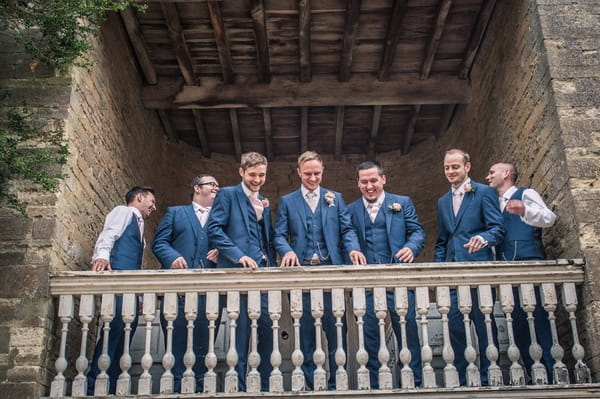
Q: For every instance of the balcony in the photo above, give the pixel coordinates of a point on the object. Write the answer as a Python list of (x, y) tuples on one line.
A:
[(84, 297)]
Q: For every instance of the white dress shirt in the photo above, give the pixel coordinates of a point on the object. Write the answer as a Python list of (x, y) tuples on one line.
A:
[(115, 224), (536, 213)]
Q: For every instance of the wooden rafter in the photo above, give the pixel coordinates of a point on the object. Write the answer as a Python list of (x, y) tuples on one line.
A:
[(235, 132), (303, 129), (201, 132), (321, 91), (167, 125), (391, 38), (139, 44), (476, 36), (339, 132), (216, 18), (177, 37), (440, 22), (268, 132), (350, 29), (304, 39), (263, 60), (374, 130), (410, 130)]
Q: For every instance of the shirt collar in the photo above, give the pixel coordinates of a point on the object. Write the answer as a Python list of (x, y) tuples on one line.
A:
[(136, 212), (304, 191), (461, 188), (248, 192), (198, 207), (378, 201), (509, 193)]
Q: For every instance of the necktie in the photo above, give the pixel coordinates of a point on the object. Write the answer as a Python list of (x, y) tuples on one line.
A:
[(202, 214), (373, 208), (456, 201), (503, 202), (257, 205), (140, 222), (311, 199)]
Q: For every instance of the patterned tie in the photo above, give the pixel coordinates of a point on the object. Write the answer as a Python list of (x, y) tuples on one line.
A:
[(140, 222), (311, 199), (257, 205), (457, 197), (202, 214), (373, 208)]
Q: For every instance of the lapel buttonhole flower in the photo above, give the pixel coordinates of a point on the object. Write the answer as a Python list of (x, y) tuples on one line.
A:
[(265, 203), (395, 207), (469, 188), (330, 198)]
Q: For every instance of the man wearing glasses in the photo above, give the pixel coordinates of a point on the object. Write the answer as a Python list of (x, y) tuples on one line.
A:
[(181, 242)]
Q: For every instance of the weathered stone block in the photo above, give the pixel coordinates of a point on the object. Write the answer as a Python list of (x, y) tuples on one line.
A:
[(11, 258), (43, 228), (24, 390), (22, 282), (4, 339), (14, 228)]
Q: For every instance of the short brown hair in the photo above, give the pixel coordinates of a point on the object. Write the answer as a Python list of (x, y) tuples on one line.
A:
[(466, 157), (250, 159), (309, 156)]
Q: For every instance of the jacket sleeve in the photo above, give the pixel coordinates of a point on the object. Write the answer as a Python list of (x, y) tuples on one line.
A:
[(494, 223), (414, 229), (282, 245), (161, 246), (218, 222), (441, 245)]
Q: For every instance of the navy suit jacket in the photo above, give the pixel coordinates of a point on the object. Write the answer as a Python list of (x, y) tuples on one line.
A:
[(403, 227), (229, 227), (479, 214), (179, 234), (291, 226)]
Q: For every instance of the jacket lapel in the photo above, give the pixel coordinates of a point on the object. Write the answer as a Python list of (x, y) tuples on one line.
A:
[(193, 219), (243, 205), (467, 198)]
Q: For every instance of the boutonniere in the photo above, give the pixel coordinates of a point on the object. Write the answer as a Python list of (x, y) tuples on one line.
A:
[(330, 198), (265, 202), (469, 188), (395, 207)]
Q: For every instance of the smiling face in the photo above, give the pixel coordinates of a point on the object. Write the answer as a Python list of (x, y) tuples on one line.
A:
[(456, 169), (206, 191), (145, 203), (311, 173), (496, 176), (370, 183), (254, 177)]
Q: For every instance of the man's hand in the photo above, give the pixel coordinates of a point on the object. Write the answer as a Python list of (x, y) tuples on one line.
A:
[(357, 258), (100, 264), (247, 262), (405, 255), (516, 207), (179, 263), (475, 244), (289, 260), (213, 255)]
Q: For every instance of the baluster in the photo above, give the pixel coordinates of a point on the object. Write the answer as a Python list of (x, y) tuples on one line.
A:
[(107, 313), (362, 357), (407, 376), (422, 297), (212, 314), (316, 306), (298, 380), (58, 387), (86, 314), (339, 308), (149, 313), (188, 380), (507, 300), (581, 371), (253, 380), (444, 303), (550, 303), (465, 305), (128, 312), (528, 302), (233, 311), (276, 378), (168, 361), (486, 305), (380, 305)]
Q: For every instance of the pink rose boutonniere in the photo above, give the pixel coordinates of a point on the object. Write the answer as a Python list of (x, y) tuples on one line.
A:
[(469, 188), (265, 203), (330, 198), (395, 207)]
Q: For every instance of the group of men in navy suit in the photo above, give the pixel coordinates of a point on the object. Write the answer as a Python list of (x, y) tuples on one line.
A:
[(232, 228)]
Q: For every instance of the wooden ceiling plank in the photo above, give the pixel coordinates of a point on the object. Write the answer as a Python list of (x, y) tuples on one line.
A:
[(339, 132), (167, 125), (391, 38), (483, 20), (374, 130), (175, 32), (447, 114), (216, 18), (132, 26), (235, 131), (201, 132), (440, 22), (263, 59), (350, 30), (321, 91), (304, 39), (410, 130), (268, 132), (303, 129)]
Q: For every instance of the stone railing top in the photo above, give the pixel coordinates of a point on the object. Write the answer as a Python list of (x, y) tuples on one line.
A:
[(407, 275)]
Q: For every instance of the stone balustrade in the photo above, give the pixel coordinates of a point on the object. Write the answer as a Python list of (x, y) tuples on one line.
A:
[(83, 297)]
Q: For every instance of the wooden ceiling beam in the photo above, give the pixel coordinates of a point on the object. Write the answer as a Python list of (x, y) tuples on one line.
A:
[(235, 132), (216, 19), (485, 15), (350, 30), (303, 129), (375, 120), (321, 91), (132, 26), (167, 125), (268, 132), (304, 39), (410, 130), (339, 132), (391, 38), (201, 132), (440, 22), (175, 32), (263, 59)]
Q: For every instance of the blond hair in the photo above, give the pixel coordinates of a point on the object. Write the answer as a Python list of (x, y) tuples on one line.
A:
[(309, 156)]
